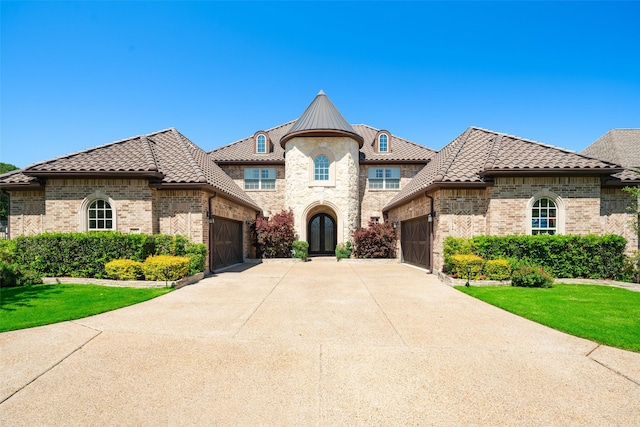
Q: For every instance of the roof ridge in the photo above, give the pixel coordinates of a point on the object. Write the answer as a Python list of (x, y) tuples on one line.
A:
[(451, 157), (250, 136), (395, 136), (493, 152), (190, 158), (149, 154)]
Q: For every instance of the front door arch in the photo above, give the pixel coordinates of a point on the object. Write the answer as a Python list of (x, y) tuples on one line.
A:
[(322, 234)]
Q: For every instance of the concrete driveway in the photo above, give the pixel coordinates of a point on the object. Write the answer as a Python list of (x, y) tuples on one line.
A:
[(317, 343)]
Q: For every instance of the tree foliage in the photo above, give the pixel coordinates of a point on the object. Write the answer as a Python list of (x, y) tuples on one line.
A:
[(275, 235), (378, 240), (4, 200)]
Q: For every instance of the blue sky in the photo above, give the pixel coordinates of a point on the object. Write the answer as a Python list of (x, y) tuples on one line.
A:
[(75, 75)]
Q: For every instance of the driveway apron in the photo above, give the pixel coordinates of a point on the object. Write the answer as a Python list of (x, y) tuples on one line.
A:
[(317, 343)]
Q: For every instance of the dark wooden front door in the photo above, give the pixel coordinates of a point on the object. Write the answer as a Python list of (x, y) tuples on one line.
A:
[(225, 243), (322, 234), (416, 247)]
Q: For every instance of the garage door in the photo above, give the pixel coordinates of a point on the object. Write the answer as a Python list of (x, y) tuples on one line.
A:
[(225, 242), (415, 242)]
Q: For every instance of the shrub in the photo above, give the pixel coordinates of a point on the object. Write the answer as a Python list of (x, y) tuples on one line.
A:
[(459, 264), (12, 274), (300, 249), (378, 240), (197, 253), (632, 267), (176, 267), (497, 269), (591, 256), (124, 269), (455, 246), (275, 235), (531, 277), (343, 250)]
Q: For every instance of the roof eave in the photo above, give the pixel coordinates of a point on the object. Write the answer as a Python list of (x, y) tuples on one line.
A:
[(94, 174), (436, 186), (550, 171), (322, 132), (19, 187)]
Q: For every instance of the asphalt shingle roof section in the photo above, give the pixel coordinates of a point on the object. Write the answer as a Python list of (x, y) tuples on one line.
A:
[(476, 155), (620, 146), (165, 157), (243, 151), (321, 117)]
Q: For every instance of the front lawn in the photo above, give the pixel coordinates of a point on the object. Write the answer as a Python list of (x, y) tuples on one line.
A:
[(603, 314), (28, 306)]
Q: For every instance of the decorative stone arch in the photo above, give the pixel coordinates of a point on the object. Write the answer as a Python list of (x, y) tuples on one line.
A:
[(560, 206), (83, 219), (331, 182), (321, 206)]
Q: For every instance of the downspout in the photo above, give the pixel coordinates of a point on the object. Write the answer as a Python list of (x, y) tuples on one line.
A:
[(433, 217), (210, 218)]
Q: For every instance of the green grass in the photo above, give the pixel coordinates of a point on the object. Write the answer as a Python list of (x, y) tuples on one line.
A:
[(29, 306), (603, 314)]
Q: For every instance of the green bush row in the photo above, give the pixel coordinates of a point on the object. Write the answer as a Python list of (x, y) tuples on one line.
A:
[(591, 256), (85, 254)]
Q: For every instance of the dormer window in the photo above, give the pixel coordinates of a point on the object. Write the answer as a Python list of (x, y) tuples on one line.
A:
[(383, 143), (261, 144)]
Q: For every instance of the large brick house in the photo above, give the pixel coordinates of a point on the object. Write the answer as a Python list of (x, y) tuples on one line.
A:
[(335, 177)]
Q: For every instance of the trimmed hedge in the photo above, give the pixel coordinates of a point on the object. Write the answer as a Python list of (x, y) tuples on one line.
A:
[(176, 267), (124, 269), (497, 269), (85, 254), (459, 264), (591, 256)]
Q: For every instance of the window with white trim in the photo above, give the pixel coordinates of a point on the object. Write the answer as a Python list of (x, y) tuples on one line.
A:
[(383, 143), (544, 217), (100, 216), (321, 168), (261, 144), (260, 179), (384, 178)]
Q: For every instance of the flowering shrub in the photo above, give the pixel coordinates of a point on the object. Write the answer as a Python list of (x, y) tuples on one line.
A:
[(275, 235), (531, 277), (378, 240)]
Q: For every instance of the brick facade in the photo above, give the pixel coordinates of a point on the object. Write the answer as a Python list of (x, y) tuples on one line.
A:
[(271, 201), (372, 201), (502, 209)]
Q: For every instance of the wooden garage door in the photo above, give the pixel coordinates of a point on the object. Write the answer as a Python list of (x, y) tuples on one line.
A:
[(225, 243), (415, 242)]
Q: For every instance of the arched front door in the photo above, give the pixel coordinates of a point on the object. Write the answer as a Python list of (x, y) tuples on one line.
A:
[(322, 234)]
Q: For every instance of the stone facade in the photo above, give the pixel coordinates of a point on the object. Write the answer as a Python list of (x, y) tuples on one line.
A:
[(337, 196)]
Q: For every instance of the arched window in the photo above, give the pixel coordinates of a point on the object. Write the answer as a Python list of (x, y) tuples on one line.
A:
[(383, 143), (321, 168), (544, 217), (100, 216), (261, 144)]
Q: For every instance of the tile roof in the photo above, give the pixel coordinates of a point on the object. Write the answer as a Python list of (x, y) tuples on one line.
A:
[(16, 179), (165, 157), (243, 151), (321, 117), (620, 146), (476, 155)]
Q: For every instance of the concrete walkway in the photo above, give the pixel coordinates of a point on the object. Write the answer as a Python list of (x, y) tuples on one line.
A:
[(318, 343)]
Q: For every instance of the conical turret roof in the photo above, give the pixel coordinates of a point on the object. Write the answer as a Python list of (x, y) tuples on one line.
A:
[(321, 118)]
